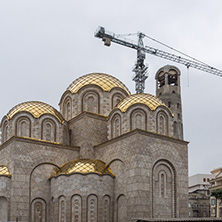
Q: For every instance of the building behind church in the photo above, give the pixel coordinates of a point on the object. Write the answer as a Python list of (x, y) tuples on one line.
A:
[(107, 155)]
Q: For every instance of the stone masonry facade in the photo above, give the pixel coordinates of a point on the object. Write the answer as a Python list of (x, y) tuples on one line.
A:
[(106, 156)]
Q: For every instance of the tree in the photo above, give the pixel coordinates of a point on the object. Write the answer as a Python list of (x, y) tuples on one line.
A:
[(217, 193)]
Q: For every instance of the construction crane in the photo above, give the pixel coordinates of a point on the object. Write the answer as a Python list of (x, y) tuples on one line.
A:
[(140, 68)]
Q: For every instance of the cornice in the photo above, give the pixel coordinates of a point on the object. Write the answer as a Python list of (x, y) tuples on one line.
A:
[(38, 142), (141, 132)]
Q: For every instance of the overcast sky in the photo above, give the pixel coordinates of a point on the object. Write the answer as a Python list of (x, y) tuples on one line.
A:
[(45, 45)]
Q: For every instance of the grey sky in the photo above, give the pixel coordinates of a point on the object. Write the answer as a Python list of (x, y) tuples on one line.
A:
[(45, 45)]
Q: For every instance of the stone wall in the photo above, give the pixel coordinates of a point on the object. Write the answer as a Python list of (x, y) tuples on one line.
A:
[(142, 153), (25, 156), (80, 198), (88, 130)]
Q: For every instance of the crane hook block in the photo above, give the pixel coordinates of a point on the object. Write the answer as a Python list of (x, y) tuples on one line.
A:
[(107, 41)]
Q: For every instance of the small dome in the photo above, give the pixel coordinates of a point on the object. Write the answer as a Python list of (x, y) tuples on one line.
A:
[(147, 99), (35, 108), (105, 81), (4, 170), (85, 166)]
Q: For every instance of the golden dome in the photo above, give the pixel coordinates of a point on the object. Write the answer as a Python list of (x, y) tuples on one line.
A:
[(4, 170), (105, 81), (150, 100), (84, 166), (35, 108)]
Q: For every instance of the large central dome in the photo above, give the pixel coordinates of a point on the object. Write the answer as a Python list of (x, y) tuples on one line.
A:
[(105, 81)]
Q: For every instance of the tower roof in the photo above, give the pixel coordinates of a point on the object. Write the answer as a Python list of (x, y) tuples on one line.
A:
[(85, 166), (105, 81), (35, 108), (143, 98)]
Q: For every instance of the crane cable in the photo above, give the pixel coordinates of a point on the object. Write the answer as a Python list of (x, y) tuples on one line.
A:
[(175, 50)]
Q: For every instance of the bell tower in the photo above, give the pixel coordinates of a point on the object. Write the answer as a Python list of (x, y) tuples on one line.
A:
[(168, 90)]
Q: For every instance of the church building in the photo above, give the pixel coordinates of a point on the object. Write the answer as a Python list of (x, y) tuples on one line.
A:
[(105, 156)]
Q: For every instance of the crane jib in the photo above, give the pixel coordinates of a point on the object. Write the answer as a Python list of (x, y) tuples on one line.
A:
[(109, 37)]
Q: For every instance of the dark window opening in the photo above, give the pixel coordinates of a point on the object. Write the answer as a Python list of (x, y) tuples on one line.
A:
[(172, 78), (161, 80)]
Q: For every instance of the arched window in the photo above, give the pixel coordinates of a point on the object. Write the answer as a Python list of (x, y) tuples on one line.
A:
[(38, 212), (62, 209), (175, 129), (116, 98), (4, 209), (138, 120), (106, 208), (5, 132), (162, 123), (121, 209), (49, 130), (90, 102), (76, 208), (116, 126), (162, 184), (92, 208), (23, 127), (67, 108), (163, 190)]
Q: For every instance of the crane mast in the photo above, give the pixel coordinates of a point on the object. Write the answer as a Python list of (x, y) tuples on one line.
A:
[(140, 68)]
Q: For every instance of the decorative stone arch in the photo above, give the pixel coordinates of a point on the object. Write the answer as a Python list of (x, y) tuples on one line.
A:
[(116, 125), (162, 123), (91, 101), (48, 130), (67, 108), (76, 208), (30, 185), (4, 208), (39, 210), (138, 119), (114, 160), (92, 208), (121, 205), (23, 126), (164, 206)]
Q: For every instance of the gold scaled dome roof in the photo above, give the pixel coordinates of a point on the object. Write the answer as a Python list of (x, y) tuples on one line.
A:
[(150, 100), (105, 81), (85, 166), (35, 108), (4, 170)]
